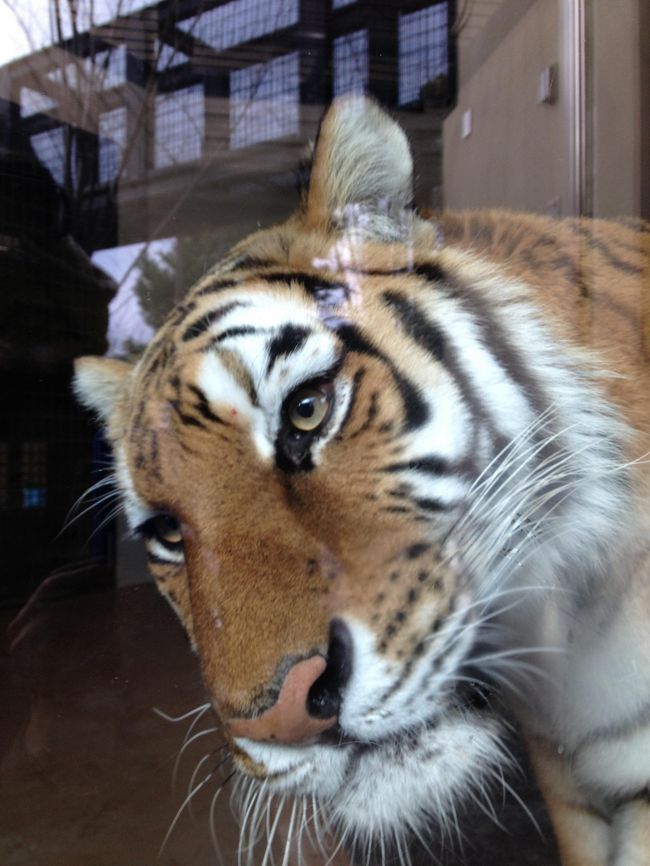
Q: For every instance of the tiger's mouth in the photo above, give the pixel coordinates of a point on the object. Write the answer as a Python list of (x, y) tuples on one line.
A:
[(274, 762), (384, 788)]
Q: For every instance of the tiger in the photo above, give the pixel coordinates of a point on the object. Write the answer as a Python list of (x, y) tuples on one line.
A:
[(390, 471)]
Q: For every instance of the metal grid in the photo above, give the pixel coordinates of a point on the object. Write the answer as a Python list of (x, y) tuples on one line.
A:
[(265, 101), (179, 126), (350, 63), (167, 56), (422, 50), (112, 141), (240, 21)]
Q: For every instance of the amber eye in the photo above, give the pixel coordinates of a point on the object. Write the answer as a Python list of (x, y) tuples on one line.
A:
[(308, 408), (166, 529)]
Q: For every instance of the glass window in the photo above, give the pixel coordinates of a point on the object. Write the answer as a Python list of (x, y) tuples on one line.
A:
[(50, 148), (33, 102), (112, 142), (351, 63), (110, 66), (423, 37), (352, 462), (167, 56), (240, 21), (179, 126), (264, 101)]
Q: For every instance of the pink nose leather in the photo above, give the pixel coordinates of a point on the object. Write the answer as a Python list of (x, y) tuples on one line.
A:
[(287, 721)]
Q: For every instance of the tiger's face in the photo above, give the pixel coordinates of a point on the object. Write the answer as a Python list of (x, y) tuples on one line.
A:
[(299, 484), (296, 491)]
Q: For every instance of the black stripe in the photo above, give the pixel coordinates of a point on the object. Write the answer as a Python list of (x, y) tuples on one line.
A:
[(431, 465), (238, 331), (431, 272), (188, 420), (181, 311), (248, 263), (217, 286), (417, 326), (575, 276), (379, 272), (448, 355), (251, 390), (318, 287), (200, 326), (495, 340), (373, 411), (204, 407), (429, 504), (289, 340), (416, 410), (603, 248)]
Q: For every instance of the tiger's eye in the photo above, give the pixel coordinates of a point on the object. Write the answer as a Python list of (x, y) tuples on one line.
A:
[(308, 409), (167, 529)]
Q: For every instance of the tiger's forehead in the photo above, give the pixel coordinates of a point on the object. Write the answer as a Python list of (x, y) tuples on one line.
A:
[(232, 359)]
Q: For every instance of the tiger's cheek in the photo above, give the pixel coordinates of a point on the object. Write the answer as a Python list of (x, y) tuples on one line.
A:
[(390, 578)]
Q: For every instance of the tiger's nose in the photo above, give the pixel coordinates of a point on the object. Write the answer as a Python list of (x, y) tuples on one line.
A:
[(309, 699)]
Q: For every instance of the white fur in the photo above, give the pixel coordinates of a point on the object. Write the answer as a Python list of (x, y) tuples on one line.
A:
[(223, 391), (313, 359), (137, 512), (388, 788), (616, 765)]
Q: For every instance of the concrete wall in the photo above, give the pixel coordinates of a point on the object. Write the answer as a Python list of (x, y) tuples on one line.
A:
[(513, 154), (616, 124), (521, 154)]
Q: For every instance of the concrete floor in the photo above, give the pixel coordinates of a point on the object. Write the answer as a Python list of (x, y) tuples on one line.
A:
[(86, 765)]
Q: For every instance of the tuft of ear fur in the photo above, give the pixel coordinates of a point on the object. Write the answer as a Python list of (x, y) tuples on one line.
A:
[(99, 384), (362, 162)]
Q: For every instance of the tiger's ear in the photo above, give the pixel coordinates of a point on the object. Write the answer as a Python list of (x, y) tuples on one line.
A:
[(100, 383), (362, 161)]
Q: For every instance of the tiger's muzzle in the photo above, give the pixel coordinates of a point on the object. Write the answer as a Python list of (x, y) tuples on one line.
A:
[(309, 699)]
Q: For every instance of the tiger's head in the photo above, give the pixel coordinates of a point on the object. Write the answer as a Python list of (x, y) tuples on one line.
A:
[(299, 447)]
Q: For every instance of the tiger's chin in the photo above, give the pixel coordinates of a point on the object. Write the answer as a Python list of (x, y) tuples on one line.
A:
[(383, 791)]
